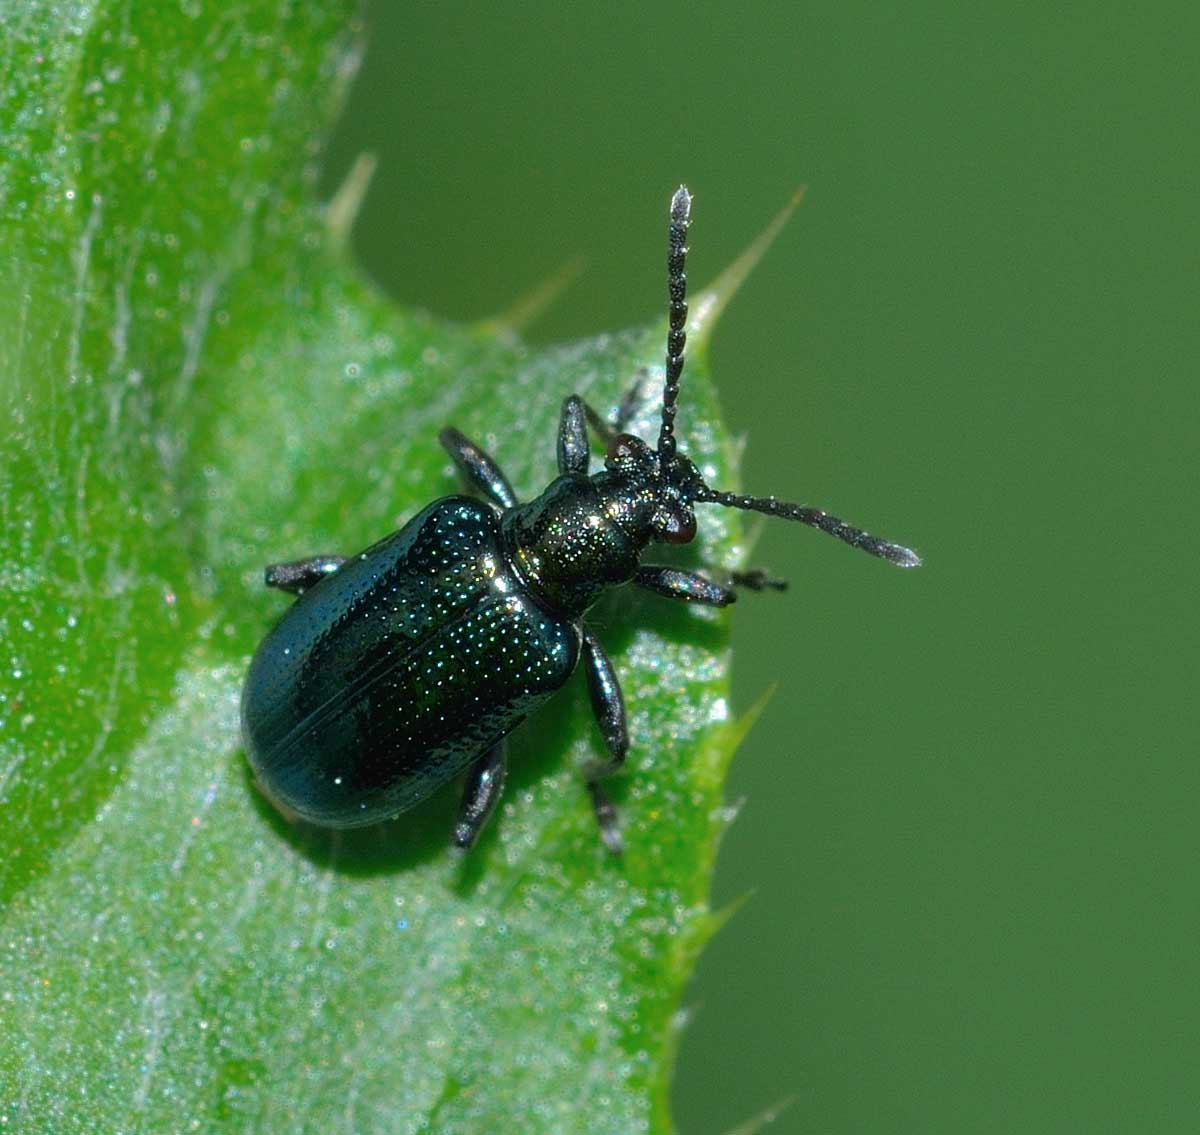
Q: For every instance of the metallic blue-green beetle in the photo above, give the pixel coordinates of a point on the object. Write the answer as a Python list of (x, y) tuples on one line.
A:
[(410, 663)]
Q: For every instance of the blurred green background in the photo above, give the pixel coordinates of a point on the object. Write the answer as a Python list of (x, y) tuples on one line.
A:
[(970, 808)]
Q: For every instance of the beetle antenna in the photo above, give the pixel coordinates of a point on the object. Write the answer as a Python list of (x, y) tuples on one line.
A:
[(681, 212), (814, 518)]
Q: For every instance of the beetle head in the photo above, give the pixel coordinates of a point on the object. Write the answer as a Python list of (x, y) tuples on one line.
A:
[(662, 487)]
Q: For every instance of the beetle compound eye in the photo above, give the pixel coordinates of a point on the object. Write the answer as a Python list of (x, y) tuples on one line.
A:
[(676, 525), (628, 454), (623, 448)]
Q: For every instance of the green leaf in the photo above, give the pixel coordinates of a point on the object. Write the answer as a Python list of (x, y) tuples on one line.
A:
[(198, 382)]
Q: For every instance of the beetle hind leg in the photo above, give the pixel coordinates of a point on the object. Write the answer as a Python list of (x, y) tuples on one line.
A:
[(485, 782), (609, 708), (299, 575)]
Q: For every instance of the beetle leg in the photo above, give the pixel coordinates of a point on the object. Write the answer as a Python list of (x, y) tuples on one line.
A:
[(675, 583), (757, 580), (630, 404), (603, 430), (299, 575), (485, 781), (572, 437), (609, 708), (606, 817), (635, 396), (478, 466)]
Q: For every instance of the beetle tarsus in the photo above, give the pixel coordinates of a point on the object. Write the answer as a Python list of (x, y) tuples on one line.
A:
[(757, 580)]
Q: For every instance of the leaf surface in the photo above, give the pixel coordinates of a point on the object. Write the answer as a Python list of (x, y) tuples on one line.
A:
[(198, 382)]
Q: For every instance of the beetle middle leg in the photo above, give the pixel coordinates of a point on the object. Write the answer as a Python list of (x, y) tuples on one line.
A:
[(609, 708), (485, 782), (299, 575), (479, 467)]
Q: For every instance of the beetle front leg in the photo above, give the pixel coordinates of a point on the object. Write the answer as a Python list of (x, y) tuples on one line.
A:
[(609, 708), (601, 428), (299, 575), (606, 431), (675, 583), (573, 455), (485, 782), (479, 467)]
